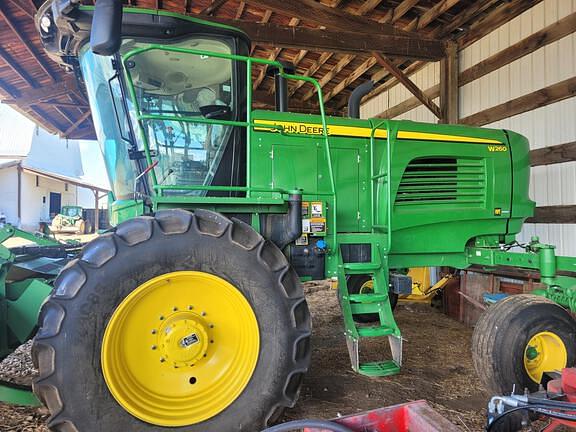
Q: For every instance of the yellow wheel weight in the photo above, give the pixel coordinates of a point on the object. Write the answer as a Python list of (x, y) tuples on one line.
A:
[(544, 352), (367, 287), (180, 348)]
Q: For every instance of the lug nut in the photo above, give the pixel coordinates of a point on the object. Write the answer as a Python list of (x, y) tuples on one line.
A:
[(153, 347), (154, 331), (203, 313), (162, 359)]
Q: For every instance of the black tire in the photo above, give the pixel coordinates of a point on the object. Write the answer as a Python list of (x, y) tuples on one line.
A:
[(355, 283), (503, 332), (67, 347)]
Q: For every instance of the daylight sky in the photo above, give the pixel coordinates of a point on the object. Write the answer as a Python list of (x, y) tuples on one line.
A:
[(15, 138)]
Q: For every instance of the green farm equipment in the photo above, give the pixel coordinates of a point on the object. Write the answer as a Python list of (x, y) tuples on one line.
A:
[(71, 220), (189, 313), (26, 272)]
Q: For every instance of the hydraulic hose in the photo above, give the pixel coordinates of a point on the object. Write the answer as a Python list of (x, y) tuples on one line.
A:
[(300, 424)]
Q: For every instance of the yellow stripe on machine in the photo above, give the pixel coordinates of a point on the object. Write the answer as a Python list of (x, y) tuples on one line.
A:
[(362, 132), (316, 129)]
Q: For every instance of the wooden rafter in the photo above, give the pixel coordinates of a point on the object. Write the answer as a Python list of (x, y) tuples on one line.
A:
[(5, 15), (400, 10), (273, 56), (409, 84), (435, 11), (41, 94), (357, 73), (316, 39), (342, 63), (50, 103), (440, 32), (214, 6), (77, 123), (324, 57), (368, 6), (240, 10), (24, 10), (319, 14), (18, 70)]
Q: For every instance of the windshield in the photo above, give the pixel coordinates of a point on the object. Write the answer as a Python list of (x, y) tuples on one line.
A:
[(177, 85), (104, 95), (170, 84)]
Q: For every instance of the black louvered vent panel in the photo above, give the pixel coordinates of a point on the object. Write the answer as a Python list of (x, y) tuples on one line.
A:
[(443, 180)]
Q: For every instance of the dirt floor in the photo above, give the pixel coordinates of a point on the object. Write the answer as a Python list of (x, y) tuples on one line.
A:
[(437, 368)]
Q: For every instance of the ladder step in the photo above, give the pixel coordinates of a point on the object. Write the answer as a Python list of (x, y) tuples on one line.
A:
[(375, 369), (375, 331), (368, 298), (365, 308), (361, 268)]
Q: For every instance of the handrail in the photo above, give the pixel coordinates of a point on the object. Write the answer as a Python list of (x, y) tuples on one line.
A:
[(387, 174), (248, 123)]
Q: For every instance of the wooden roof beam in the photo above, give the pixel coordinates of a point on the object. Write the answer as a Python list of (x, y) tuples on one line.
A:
[(17, 69), (400, 10), (324, 57), (368, 6), (409, 84), (339, 41), (213, 8), (342, 63), (77, 123), (33, 96), (313, 12), (5, 15), (240, 11), (273, 56)]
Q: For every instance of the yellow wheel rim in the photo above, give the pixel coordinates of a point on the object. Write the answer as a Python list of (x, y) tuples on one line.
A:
[(180, 348), (367, 287), (544, 352)]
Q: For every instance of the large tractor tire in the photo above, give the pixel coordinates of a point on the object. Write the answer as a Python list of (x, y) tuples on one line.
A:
[(520, 338), (363, 284), (178, 322)]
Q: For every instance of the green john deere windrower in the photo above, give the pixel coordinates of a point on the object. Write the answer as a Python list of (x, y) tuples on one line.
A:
[(189, 314)]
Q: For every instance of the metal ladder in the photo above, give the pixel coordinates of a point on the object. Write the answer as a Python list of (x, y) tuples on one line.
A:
[(376, 302)]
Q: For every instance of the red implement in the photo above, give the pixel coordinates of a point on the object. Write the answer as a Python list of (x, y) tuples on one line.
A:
[(566, 385), (415, 416)]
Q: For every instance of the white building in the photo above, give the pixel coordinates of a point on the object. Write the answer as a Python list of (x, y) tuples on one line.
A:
[(39, 174)]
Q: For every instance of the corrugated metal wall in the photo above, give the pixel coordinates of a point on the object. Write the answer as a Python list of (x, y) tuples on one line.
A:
[(547, 126)]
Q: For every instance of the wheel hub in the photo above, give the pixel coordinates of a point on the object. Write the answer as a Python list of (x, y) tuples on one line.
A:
[(544, 352), (182, 339), (180, 348)]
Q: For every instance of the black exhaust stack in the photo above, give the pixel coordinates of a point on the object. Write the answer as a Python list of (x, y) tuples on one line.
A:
[(356, 96), (281, 85)]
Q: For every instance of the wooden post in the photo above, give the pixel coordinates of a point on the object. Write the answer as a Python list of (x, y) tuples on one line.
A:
[(97, 212), (449, 97)]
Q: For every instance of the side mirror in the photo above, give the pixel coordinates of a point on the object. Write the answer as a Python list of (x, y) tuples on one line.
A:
[(216, 112), (106, 33)]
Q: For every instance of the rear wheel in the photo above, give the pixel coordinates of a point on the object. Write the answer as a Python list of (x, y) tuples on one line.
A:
[(183, 321), (519, 339), (363, 284)]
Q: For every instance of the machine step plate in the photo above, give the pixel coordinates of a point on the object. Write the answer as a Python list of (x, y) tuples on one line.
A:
[(375, 331), (379, 369), (368, 298)]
